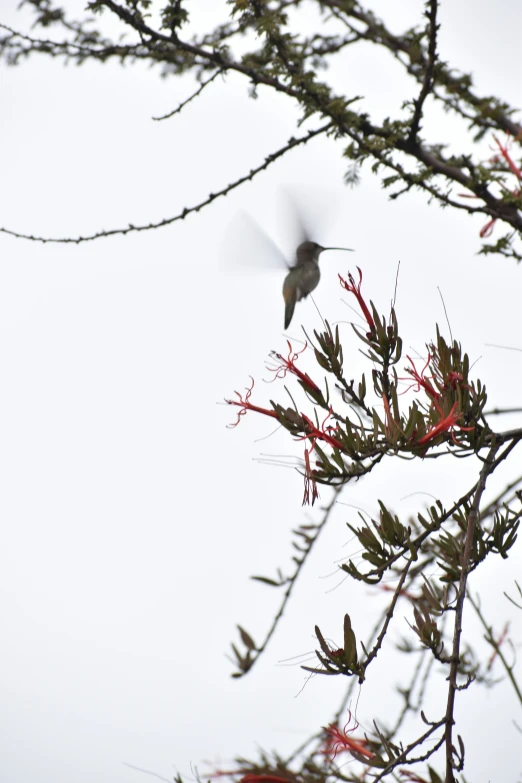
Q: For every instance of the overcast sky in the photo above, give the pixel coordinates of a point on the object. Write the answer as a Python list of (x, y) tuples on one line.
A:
[(132, 517)]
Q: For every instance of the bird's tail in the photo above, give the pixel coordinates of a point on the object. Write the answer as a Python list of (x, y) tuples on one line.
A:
[(289, 310)]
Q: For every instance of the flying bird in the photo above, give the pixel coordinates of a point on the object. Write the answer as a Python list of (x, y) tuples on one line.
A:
[(254, 248), (304, 276)]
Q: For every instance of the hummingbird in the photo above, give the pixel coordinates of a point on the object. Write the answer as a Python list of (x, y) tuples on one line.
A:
[(304, 276)]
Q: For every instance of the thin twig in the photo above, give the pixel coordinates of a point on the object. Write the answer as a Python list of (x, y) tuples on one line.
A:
[(147, 772), (191, 98), (402, 758), (292, 581), (496, 646), (293, 142), (494, 504), (389, 616)]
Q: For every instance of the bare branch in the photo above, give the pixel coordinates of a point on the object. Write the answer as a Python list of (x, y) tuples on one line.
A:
[(293, 142), (188, 100), (280, 65), (389, 616)]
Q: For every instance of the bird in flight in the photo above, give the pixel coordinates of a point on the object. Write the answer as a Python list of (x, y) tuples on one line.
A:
[(304, 276), (258, 250)]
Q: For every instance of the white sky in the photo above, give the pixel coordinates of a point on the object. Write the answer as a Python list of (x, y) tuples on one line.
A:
[(132, 517)]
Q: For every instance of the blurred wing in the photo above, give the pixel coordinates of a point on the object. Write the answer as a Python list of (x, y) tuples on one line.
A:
[(309, 214), (247, 248), (297, 226)]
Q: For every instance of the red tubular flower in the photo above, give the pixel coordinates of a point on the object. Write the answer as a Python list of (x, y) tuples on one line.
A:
[(311, 493), (507, 157), (445, 424), (324, 433), (455, 379), (501, 640), (421, 381), (487, 229), (315, 434), (245, 405), (389, 421), (339, 742), (305, 424), (288, 365), (355, 288), (403, 592)]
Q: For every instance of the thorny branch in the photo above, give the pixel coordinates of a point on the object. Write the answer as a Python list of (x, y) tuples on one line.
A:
[(293, 142), (388, 618), (194, 95), (286, 62)]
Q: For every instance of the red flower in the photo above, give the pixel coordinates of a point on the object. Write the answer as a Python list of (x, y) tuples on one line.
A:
[(245, 405), (421, 382), (288, 365), (355, 288), (306, 425), (487, 229), (507, 157), (324, 433), (389, 422), (501, 640), (314, 434), (403, 592), (445, 424), (456, 378), (311, 493), (338, 741)]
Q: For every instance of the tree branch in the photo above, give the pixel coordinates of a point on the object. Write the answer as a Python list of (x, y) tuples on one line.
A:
[(191, 98), (429, 71), (473, 516), (188, 210)]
